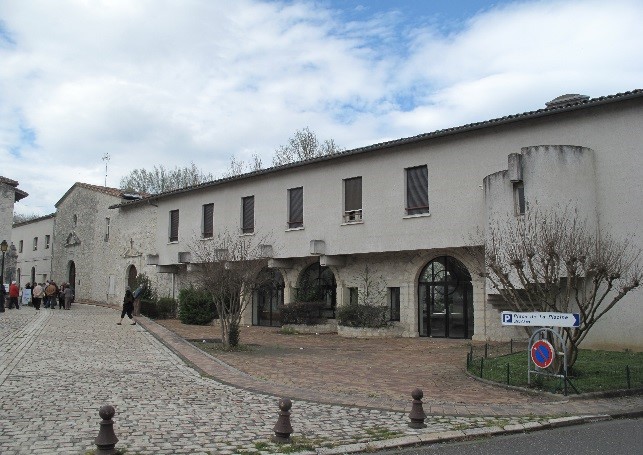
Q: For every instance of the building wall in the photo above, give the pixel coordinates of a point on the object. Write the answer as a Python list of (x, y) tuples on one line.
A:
[(28, 258)]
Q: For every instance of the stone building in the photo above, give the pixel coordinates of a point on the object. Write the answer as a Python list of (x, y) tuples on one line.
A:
[(9, 195), (409, 209)]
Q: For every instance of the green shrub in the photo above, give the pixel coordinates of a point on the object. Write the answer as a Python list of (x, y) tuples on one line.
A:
[(308, 313), (149, 309), (164, 308), (358, 315), (196, 306)]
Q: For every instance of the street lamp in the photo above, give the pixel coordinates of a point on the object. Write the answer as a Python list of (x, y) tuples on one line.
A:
[(3, 247)]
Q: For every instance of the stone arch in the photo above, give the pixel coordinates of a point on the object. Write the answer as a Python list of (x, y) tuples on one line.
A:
[(317, 283), (445, 299)]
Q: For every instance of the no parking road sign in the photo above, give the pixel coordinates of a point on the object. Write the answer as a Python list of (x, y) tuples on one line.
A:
[(542, 353)]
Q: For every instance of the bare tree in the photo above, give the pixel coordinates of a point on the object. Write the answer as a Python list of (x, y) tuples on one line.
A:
[(160, 179), (23, 217), (302, 146), (551, 261), (229, 266), (238, 167)]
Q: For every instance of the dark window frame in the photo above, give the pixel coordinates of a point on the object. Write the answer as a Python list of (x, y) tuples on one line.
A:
[(207, 221), (394, 303), (248, 215), (296, 207), (417, 190), (519, 199), (353, 200), (174, 226)]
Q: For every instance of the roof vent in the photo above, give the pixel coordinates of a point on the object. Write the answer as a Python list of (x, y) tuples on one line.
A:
[(566, 100)]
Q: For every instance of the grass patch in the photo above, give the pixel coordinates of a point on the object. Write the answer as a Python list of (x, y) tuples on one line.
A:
[(288, 331), (381, 433), (594, 371)]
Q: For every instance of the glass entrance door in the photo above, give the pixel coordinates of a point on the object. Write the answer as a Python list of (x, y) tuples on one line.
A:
[(445, 305)]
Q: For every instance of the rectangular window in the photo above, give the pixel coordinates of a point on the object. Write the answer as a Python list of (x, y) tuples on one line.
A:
[(174, 225), (35, 243), (394, 303), (353, 296), (20, 245), (248, 214), (353, 200), (519, 198), (417, 190), (295, 207), (207, 224), (106, 229), (47, 240)]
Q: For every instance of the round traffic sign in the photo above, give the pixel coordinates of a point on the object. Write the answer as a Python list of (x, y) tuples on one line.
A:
[(542, 353)]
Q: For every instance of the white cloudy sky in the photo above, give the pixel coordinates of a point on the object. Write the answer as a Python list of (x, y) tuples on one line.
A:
[(178, 81)]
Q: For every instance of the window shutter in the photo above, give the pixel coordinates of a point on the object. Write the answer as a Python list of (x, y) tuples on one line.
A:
[(174, 226), (417, 190), (353, 194), (296, 209), (208, 220), (248, 224)]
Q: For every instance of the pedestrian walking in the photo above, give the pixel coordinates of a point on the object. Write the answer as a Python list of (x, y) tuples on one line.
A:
[(128, 305), (69, 296), (3, 294), (37, 294), (14, 293)]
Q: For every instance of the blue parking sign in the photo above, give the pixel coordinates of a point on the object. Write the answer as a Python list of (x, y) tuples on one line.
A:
[(507, 318)]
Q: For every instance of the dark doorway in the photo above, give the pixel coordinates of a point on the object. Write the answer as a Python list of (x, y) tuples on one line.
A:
[(72, 274), (131, 277), (268, 299), (33, 276), (445, 299), (317, 283)]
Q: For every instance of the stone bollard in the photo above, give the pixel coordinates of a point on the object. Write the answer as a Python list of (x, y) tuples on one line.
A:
[(283, 429), (417, 414), (106, 439)]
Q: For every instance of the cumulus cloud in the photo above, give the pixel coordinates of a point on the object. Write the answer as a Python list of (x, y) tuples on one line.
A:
[(173, 82)]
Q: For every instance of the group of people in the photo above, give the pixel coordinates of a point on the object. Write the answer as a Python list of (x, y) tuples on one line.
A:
[(49, 293), (13, 294)]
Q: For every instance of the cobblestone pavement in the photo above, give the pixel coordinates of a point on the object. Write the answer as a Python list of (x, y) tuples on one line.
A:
[(58, 367)]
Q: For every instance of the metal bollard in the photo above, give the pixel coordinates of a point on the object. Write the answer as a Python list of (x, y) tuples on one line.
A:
[(282, 428), (417, 414), (106, 439)]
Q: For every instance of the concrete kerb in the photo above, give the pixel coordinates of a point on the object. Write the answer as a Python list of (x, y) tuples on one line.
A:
[(458, 435)]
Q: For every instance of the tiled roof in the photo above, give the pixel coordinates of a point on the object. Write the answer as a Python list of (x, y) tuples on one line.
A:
[(34, 220), (19, 194), (100, 189), (561, 105)]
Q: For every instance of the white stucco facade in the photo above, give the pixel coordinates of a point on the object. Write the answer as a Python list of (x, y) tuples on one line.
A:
[(584, 153)]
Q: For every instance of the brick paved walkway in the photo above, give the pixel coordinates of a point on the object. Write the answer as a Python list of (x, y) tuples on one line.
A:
[(58, 367), (376, 373)]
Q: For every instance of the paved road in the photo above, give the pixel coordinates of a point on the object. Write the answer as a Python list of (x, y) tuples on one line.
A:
[(614, 437), (57, 368)]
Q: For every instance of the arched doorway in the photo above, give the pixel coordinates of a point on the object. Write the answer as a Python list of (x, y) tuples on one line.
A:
[(317, 283), (268, 299), (131, 277), (72, 274), (445, 299)]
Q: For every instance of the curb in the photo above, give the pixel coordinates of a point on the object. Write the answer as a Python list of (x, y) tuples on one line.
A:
[(464, 435)]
